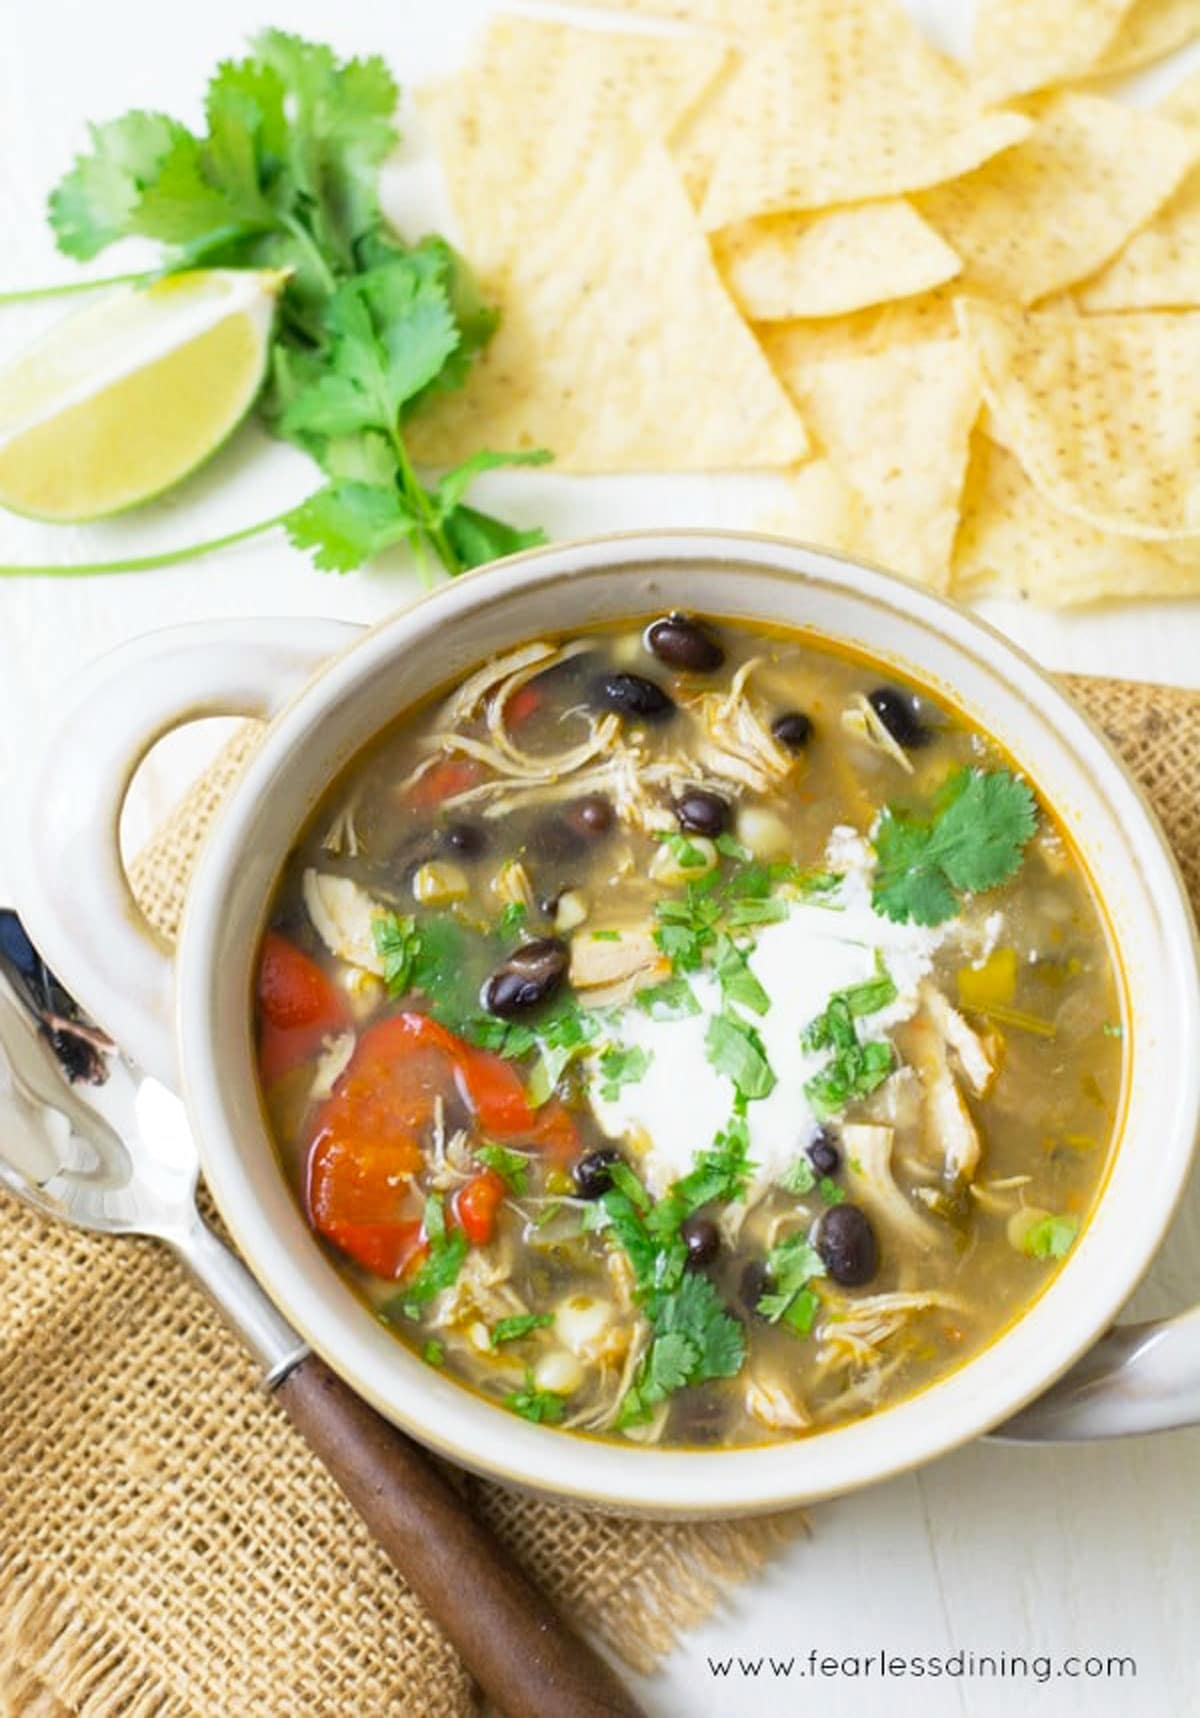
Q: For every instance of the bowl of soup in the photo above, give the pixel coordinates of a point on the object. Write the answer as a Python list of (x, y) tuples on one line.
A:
[(681, 1022)]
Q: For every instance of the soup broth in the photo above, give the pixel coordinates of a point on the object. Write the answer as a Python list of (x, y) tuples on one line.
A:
[(684, 1032)]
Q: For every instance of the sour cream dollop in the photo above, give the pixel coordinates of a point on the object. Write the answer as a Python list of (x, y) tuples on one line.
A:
[(673, 1111)]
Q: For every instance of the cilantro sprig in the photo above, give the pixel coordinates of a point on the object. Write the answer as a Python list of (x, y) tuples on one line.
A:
[(974, 841), (792, 1265), (447, 1248), (284, 175), (854, 1069)]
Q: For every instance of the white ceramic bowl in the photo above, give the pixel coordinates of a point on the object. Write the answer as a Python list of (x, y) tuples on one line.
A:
[(329, 689)]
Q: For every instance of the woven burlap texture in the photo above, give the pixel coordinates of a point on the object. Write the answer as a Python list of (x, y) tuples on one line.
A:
[(168, 1546)]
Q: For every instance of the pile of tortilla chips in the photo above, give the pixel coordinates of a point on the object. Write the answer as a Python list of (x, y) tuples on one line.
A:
[(958, 307)]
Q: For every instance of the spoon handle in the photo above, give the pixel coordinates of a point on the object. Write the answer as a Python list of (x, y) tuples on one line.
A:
[(511, 1638)]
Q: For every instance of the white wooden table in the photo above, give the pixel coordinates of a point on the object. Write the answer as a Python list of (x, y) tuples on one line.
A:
[(992, 1550)]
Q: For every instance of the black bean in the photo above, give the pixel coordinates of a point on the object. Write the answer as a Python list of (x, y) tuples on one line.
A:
[(466, 840), (593, 1173), (702, 1239), (591, 815), (824, 1155), (633, 695), (847, 1245), (529, 977), (793, 730), (900, 713), (682, 642), (756, 1281), (702, 813)]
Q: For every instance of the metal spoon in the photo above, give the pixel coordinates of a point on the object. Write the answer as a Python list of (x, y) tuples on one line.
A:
[(87, 1139)]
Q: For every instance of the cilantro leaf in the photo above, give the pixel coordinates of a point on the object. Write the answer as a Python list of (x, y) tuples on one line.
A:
[(974, 842), (540, 1406), (695, 1339), (738, 983), (348, 524), (791, 1264), (853, 1072), (399, 942), (799, 1177), (673, 999), (621, 1066), (1051, 1238), (519, 1325), (477, 538), (735, 1049), (96, 202), (446, 1251), (510, 1166)]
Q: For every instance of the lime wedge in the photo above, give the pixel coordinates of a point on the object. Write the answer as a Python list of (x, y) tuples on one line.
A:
[(120, 400)]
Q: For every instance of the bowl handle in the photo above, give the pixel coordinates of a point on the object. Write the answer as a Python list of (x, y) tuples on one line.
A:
[(70, 884), (1138, 1378)]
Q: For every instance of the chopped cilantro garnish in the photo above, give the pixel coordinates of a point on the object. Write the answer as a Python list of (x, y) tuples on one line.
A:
[(540, 1406), (720, 1173), (519, 1325), (512, 919), (850, 1074), (1113, 1030), (738, 983), (606, 936), (829, 1190), (621, 1065), (757, 912), (548, 1214), (695, 1339), (974, 841), (685, 853), (433, 1354), (671, 1000), (815, 884), (398, 941), (854, 1069), (510, 1166), (729, 847), (798, 1177), (792, 1265), (735, 1049), (1050, 1238), (447, 1250)]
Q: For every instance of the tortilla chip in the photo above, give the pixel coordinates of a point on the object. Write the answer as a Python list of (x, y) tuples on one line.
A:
[(1024, 45), (833, 263), (1182, 104), (620, 349), (896, 426), (1053, 209), (822, 509), (850, 103), (789, 346), (1150, 30), (1103, 412), (1160, 267), (546, 110), (1012, 542)]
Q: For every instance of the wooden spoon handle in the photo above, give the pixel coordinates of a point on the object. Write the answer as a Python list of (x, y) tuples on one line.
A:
[(509, 1635)]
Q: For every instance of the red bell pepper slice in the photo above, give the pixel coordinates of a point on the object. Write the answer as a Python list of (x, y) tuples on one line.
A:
[(299, 1007), (443, 780), (475, 1205)]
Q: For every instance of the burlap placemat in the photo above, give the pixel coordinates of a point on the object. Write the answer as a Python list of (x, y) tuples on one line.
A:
[(168, 1546)]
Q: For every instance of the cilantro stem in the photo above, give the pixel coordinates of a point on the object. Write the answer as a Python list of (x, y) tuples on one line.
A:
[(311, 249), (146, 563), (418, 498), (29, 294)]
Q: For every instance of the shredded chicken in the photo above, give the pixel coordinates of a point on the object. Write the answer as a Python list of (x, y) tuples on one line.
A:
[(862, 721), (468, 700), (481, 1290), (737, 744), (331, 1065), (610, 971), (774, 1407), (948, 1120), (868, 1149), (855, 1330), (972, 1052), (343, 915)]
